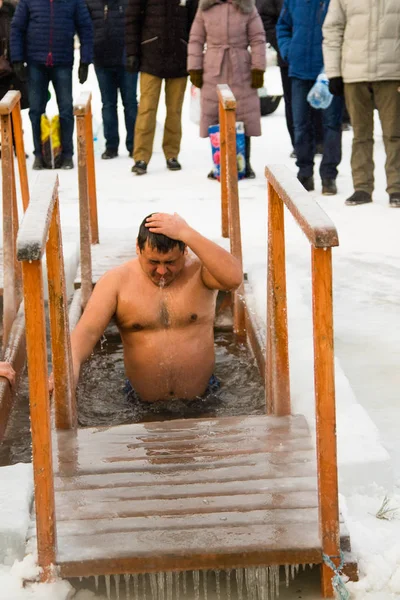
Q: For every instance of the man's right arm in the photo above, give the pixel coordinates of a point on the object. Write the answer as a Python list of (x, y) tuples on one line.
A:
[(333, 32), (133, 31), (19, 25), (97, 315)]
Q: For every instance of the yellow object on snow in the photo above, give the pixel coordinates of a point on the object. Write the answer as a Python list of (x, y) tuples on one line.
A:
[(50, 135)]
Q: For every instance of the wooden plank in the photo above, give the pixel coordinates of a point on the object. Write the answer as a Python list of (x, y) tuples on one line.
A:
[(40, 414), (91, 177), (9, 101), (20, 152), (84, 212), (67, 466), (277, 327), (177, 506), (180, 477), (35, 225), (314, 221), (64, 391), (223, 173), (192, 549), (325, 410), (221, 520)]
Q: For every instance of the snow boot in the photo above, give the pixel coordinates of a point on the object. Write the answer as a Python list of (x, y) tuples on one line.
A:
[(359, 197), (249, 173)]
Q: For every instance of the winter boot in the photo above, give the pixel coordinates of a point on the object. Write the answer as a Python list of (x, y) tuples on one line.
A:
[(329, 187), (109, 153), (140, 167), (249, 173), (173, 164), (359, 197), (307, 183), (38, 164), (394, 200)]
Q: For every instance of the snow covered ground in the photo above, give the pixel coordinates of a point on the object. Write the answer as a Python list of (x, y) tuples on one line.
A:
[(367, 328)]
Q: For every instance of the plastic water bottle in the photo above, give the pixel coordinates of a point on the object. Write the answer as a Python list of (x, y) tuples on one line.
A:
[(319, 96)]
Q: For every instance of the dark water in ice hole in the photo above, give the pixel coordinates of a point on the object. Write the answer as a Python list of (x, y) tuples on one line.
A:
[(101, 399)]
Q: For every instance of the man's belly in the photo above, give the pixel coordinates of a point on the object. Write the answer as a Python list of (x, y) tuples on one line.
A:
[(165, 365)]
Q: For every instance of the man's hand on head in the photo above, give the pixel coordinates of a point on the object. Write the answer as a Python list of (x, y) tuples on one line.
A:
[(173, 226)]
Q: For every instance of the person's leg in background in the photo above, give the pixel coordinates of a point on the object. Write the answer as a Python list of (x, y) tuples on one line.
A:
[(145, 128), (332, 151), (360, 104), (61, 78), (387, 100), (287, 96), (108, 78), (127, 83), (38, 80), (304, 136), (318, 130), (174, 95)]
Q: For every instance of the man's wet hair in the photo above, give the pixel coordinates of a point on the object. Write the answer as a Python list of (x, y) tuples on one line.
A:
[(156, 241)]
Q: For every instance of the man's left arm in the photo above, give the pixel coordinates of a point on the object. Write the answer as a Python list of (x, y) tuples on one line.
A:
[(220, 271), (84, 29)]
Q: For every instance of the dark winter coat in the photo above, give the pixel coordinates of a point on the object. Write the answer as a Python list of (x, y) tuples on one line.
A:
[(42, 32), (269, 12), (299, 32), (108, 17), (10, 82), (157, 33), (228, 29)]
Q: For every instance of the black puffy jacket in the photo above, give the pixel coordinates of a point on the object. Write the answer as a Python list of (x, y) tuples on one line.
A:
[(108, 18), (157, 33)]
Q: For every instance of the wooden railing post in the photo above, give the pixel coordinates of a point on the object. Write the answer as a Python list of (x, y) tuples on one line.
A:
[(223, 172), (94, 226), (277, 360), (229, 187), (84, 208), (40, 415), (65, 406), (10, 226), (20, 152), (325, 410)]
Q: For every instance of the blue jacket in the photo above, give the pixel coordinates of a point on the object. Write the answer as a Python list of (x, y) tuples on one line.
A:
[(299, 32), (42, 32)]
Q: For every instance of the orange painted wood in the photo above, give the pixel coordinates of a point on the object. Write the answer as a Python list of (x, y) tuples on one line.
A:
[(239, 319), (314, 222), (223, 177), (94, 226), (17, 266), (9, 101), (65, 406), (40, 415), (20, 151), (84, 212), (325, 410), (278, 347), (10, 279)]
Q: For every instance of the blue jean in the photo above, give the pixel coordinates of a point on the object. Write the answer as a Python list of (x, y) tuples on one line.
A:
[(38, 79), (112, 79), (304, 132)]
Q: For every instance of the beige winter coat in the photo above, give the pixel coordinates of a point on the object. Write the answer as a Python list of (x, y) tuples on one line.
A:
[(362, 40)]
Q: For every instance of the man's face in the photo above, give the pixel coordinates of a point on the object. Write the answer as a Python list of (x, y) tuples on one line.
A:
[(161, 268)]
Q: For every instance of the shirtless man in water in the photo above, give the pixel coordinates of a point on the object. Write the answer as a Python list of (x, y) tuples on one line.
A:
[(164, 305)]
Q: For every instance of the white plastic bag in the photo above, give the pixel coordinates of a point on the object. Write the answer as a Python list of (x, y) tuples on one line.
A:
[(195, 105)]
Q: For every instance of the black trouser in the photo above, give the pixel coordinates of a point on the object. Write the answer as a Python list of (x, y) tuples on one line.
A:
[(287, 96)]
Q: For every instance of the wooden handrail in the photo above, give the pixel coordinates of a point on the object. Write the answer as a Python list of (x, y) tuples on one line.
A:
[(42, 222), (284, 188), (89, 229), (230, 194), (314, 222), (11, 123)]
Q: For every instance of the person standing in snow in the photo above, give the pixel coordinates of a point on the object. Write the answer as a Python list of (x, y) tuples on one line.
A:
[(42, 50), (299, 32), (269, 12), (157, 33), (362, 60), (228, 28), (108, 18)]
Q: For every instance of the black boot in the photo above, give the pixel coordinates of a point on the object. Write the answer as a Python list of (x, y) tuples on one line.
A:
[(249, 173)]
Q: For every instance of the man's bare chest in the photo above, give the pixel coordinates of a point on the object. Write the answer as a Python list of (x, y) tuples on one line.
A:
[(164, 309)]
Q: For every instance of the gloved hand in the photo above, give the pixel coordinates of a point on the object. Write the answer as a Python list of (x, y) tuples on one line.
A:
[(132, 64), (196, 77), (257, 78), (336, 86), (83, 72), (20, 70)]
